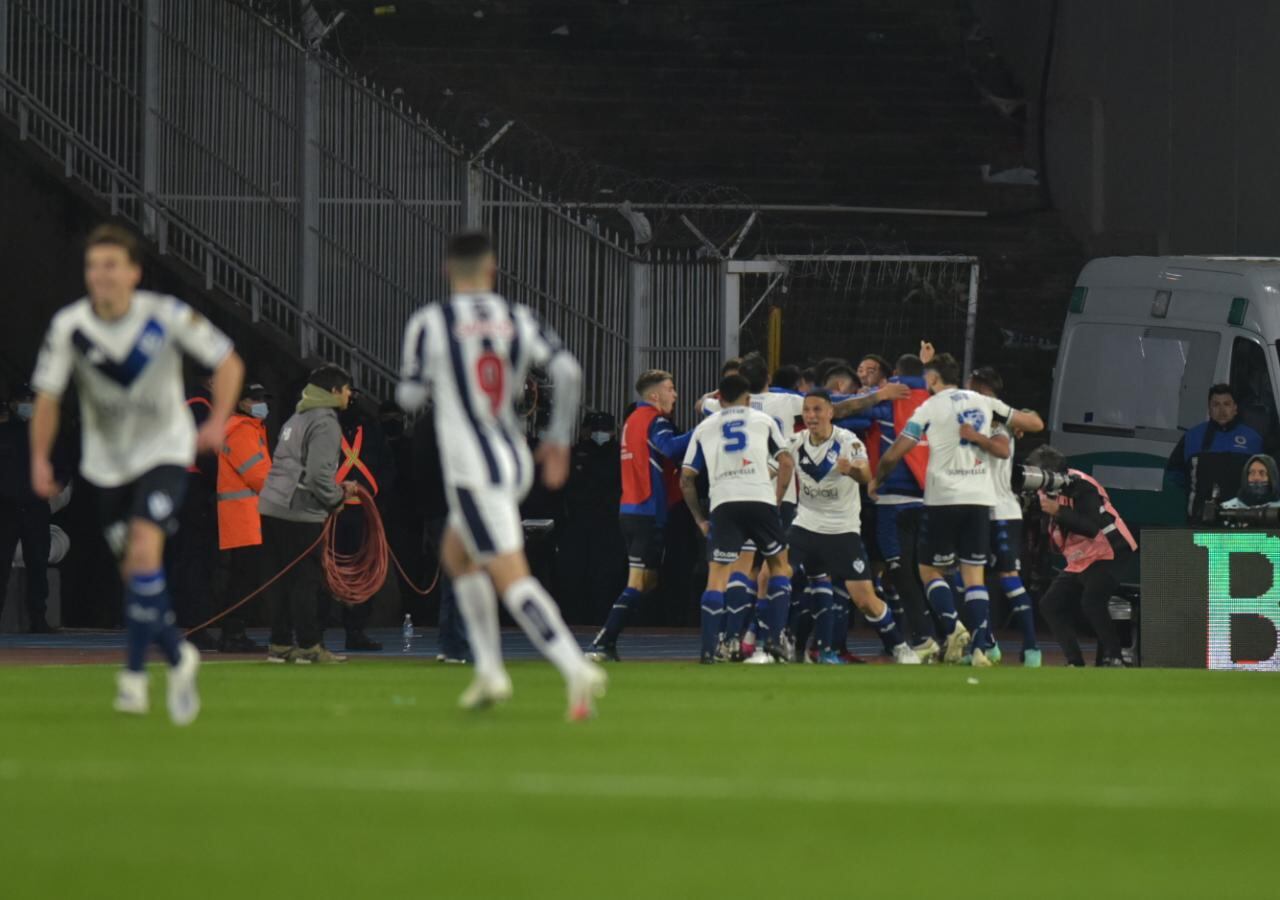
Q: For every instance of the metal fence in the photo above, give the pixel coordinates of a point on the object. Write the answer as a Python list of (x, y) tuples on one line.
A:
[(316, 201)]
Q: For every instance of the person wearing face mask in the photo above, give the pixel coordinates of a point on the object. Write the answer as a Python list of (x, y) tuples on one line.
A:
[(1261, 485), (243, 465), (24, 517)]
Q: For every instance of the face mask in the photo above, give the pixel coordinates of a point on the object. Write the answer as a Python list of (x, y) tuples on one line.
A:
[(601, 437), (1256, 492), (259, 410), (26, 411)]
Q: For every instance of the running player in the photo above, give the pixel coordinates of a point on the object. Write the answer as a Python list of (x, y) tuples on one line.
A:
[(651, 451), (472, 353), (958, 498), (124, 347), (734, 447), (825, 539), (1006, 518)]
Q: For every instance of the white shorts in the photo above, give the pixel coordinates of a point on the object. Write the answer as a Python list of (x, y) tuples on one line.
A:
[(487, 519)]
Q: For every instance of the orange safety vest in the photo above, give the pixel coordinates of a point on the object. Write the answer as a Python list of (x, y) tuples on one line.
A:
[(1081, 552), (351, 460), (192, 403), (243, 465)]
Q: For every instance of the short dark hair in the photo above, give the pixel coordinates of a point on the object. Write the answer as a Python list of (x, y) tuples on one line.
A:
[(820, 393), (910, 365), (732, 364), (809, 375), (880, 361), (1047, 457), (786, 377), (841, 371), (822, 368), (1223, 388), (651, 379), (756, 371), (988, 378), (109, 234), (732, 388), (329, 378), (468, 246), (947, 367)]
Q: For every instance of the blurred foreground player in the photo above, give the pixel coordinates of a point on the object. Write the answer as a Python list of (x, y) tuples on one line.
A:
[(472, 353), (124, 349)]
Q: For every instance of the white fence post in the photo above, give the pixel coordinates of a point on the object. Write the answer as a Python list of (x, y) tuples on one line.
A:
[(150, 112), (971, 320), (309, 201), (473, 209), (641, 317), (732, 311)]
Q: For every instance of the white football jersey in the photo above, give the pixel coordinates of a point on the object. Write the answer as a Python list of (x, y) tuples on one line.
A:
[(959, 473), (128, 374), (829, 501), (734, 447), (783, 408), (1008, 505), (472, 354)]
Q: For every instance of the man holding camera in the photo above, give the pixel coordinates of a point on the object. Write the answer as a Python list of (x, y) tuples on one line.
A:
[(1086, 529)]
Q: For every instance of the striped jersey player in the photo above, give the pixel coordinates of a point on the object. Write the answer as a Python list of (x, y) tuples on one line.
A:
[(470, 355)]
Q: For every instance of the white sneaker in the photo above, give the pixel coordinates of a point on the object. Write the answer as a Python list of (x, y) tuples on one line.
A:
[(927, 650), (904, 655), (485, 691), (132, 696), (184, 699), (760, 658), (981, 660), (956, 644), (584, 689)]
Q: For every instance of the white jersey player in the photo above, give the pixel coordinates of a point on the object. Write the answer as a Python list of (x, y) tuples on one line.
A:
[(958, 498), (734, 447), (470, 356), (824, 539), (123, 348)]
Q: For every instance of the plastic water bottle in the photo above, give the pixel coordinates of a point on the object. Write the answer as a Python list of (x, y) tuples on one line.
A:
[(408, 633)]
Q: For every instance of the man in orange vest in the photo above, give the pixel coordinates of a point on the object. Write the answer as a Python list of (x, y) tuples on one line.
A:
[(243, 465)]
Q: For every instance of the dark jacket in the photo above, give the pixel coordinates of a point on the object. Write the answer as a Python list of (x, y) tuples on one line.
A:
[(1211, 456)]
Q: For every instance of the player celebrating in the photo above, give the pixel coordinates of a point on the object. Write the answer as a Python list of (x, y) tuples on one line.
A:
[(734, 447), (651, 451), (825, 538), (1006, 516), (124, 349), (958, 497), (473, 352)]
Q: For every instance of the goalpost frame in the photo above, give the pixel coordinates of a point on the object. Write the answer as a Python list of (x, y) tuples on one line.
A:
[(778, 266)]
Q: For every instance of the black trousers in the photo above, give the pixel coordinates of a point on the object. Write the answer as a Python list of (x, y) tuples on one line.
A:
[(191, 555), (1089, 592), (241, 571), (28, 523), (906, 577), (293, 597)]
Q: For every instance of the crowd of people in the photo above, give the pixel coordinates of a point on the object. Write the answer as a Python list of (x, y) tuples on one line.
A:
[(885, 489)]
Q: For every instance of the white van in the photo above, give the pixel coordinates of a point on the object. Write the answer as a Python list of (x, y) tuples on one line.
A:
[(1145, 337)]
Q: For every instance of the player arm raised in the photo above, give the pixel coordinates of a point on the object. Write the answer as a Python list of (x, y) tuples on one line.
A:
[(854, 405)]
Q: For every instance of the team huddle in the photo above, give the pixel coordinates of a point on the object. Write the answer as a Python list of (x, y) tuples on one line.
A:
[(792, 490), (787, 484)]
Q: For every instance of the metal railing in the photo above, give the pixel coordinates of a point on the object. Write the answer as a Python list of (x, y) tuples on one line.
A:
[(316, 201)]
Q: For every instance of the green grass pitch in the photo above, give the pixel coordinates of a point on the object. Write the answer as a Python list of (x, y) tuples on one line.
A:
[(871, 781)]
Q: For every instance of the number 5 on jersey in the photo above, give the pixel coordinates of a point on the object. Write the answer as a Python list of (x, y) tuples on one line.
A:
[(735, 435)]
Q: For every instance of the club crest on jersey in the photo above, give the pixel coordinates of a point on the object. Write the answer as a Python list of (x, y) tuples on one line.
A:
[(831, 457)]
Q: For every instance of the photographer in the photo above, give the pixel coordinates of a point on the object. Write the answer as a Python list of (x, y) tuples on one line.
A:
[(1086, 529)]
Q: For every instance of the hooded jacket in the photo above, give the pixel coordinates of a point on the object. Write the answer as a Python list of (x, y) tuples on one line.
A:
[(1240, 501), (301, 485)]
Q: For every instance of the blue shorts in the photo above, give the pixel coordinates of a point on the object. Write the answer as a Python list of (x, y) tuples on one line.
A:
[(887, 528)]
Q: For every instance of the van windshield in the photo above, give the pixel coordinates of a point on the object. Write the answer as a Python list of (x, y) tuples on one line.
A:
[(1133, 376)]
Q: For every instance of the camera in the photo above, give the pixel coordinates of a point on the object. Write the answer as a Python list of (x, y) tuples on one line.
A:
[(1033, 479), (1248, 516)]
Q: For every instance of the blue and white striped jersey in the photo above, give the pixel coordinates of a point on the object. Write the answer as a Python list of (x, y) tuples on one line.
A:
[(471, 355)]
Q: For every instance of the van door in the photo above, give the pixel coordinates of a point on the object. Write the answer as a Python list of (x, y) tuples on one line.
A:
[(1252, 382)]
